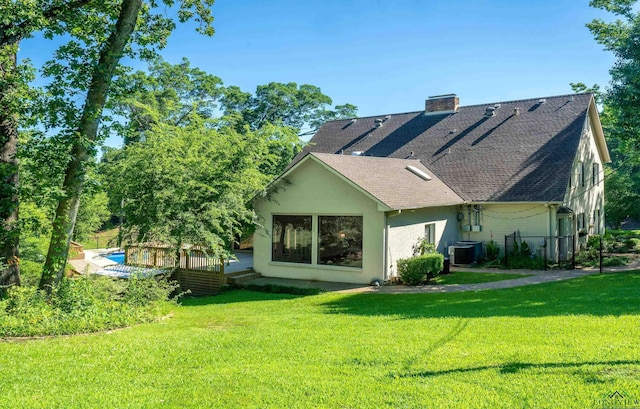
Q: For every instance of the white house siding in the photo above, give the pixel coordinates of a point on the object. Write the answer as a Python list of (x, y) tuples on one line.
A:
[(587, 199), (314, 190), (407, 227), (499, 220)]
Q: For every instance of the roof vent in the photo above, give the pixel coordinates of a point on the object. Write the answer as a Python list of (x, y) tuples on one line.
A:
[(386, 118), (516, 111), (378, 122), (489, 112), (357, 153), (354, 120), (418, 173), (496, 106), (542, 101)]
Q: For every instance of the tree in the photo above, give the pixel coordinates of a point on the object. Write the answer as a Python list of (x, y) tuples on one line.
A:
[(623, 96), (189, 184), (290, 104), (20, 20), (88, 64), (620, 104), (167, 93)]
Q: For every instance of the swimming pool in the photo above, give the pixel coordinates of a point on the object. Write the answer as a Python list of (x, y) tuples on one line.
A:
[(117, 256)]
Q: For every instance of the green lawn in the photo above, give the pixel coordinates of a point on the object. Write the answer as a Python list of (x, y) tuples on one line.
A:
[(465, 277), (101, 240), (558, 345)]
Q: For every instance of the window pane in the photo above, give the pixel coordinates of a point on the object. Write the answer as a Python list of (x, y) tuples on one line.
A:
[(340, 240), (291, 239)]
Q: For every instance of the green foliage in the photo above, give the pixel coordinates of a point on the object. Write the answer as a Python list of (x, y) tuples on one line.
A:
[(83, 304), (30, 272), (619, 117), (189, 184), (415, 270), (93, 213), (423, 247), (492, 249), (614, 261)]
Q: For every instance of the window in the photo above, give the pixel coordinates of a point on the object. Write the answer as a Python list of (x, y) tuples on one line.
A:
[(596, 174), (340, 240), (580, 181), (291, 237), (580, 221), (430, 233)]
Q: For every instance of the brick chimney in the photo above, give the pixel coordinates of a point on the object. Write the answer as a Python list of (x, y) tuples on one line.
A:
[(440, 104)]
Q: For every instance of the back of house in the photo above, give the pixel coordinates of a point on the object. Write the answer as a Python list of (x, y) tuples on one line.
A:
[(365, 191)]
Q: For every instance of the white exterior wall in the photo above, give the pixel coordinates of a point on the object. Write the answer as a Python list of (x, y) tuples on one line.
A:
[(314, 190), (499, 220), (407, 227), (588, 198)]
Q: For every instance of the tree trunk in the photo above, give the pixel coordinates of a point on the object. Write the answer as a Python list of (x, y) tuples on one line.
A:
[(9, 233), (67, 210)]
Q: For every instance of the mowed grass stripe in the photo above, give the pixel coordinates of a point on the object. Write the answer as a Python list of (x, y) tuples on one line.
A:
[(562, 344)]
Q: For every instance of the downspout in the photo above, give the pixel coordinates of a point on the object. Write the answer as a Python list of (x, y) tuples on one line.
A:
[(387, 231)]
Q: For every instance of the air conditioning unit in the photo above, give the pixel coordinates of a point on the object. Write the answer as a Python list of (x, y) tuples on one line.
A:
[(477, 248), (464, 254)]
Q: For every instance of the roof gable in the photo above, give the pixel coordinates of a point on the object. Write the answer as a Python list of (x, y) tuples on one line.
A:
[(505, 157), (391, 181)]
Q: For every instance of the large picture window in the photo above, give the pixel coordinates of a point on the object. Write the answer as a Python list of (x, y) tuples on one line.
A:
[(292, 239), (340, 240)]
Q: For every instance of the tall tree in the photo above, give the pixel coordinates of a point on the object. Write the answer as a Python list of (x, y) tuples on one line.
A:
[(621, 100), (167, 93), (20, 19), (92, 59), (202, 177), (296, 106)]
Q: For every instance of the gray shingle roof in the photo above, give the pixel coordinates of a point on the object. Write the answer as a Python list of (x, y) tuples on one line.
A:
[(507, 157), (389, 181)]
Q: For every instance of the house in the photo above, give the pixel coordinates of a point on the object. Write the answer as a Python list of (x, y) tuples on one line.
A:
[(365, 190)]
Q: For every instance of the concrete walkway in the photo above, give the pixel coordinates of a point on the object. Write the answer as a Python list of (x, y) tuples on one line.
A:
[(533, 277)]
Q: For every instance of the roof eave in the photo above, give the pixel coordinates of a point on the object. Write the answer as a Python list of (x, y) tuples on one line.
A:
[(601, 143)]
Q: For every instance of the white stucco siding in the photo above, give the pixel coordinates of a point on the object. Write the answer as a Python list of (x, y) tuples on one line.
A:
[(313, 190), (499, 220), (587, 198), (407, 227)]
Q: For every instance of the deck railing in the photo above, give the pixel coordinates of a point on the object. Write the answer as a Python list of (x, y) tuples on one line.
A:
[(194, 258)]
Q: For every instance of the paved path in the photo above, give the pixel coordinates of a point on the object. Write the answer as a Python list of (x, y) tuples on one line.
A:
[(533, 277)]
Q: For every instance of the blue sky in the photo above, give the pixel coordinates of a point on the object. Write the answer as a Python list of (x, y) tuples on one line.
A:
[(388, 56)]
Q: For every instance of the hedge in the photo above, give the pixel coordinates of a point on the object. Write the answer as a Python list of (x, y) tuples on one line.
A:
[(415, 270)]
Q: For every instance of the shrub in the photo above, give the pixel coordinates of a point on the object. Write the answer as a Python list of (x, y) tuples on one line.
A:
[(423, 247), (493, 251), (614, 261), (83, 304), (632, 243), (415, 270)]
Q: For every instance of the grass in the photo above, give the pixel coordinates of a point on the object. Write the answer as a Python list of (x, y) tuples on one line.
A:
[(465, 277), (102, 240), (565, 344)]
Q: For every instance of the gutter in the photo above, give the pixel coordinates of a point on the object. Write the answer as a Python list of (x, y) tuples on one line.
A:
[(387, 230)]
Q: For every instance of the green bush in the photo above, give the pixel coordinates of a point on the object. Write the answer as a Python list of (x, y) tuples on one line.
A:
[(415, 270), (83, 304), (423, 247), (632, 243), (614, 261), (493, 251)]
